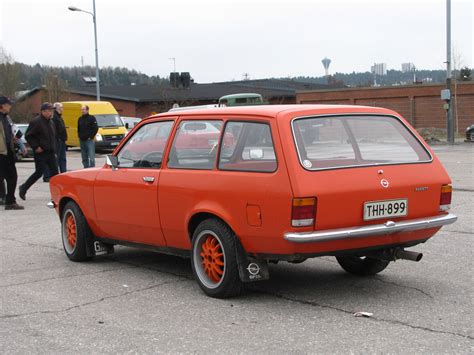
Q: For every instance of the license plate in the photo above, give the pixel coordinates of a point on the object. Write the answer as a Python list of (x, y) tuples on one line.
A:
[(114, 143), (384, 209)]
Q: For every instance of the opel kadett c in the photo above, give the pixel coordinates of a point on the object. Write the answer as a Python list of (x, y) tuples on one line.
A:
[(237, 188)]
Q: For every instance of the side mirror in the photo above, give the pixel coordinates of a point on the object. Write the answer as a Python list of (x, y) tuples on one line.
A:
[(256, 154), (126, 125), (112, 160)]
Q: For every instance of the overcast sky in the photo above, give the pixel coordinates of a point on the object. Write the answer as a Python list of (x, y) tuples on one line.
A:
[(222, 40)]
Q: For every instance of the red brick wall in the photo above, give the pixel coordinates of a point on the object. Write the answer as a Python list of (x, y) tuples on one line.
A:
[(421, 105)]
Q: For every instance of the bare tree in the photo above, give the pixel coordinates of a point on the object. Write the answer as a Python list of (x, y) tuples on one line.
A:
[(55, 87), (9, 74)]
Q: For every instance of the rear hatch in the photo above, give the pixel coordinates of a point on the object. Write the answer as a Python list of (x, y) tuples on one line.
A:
[(364, 169)]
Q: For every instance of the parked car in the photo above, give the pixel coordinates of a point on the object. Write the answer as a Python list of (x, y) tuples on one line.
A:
[(237, 188), (130, 122), (29, 152), (470, 133)]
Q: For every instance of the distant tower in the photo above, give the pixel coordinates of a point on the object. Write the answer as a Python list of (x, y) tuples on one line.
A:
[(326, 61)]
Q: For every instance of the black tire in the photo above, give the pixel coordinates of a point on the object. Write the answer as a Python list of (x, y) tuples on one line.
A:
[(215, 240), (74, 222), (362, 266)]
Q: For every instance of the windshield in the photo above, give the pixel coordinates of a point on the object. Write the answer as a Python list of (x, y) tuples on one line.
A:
[(109, 120), (346, 141)]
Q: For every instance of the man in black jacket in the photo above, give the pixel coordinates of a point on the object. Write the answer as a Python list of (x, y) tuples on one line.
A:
[(41, 135), (7, 156), (87, 129), (61, 138)]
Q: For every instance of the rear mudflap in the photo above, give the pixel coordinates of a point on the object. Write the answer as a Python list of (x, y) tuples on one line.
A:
[(250, 269), (95, 247)]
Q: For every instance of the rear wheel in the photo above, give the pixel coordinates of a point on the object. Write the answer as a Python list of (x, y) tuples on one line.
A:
[(75, 232), (214, 260), (362, 266)]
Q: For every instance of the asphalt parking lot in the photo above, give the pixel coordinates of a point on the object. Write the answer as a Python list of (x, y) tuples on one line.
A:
[(141, 302)]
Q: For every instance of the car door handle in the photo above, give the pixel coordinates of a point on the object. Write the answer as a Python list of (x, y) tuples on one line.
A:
[(148, 178)]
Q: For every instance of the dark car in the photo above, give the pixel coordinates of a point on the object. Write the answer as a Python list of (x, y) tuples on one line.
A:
[(22, 127), (470, 133)]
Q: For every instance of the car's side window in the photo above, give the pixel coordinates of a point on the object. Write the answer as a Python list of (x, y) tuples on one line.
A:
[(195, 145), (247, 146), (145, 148)]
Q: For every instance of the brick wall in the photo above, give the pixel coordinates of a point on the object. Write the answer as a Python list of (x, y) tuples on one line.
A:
[(421, 105)]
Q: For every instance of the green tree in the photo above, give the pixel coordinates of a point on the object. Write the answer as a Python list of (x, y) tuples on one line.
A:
[(465, 74)]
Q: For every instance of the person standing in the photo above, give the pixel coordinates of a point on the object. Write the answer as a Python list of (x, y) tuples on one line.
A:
[(7, 155), (61, 138), (87, 129), (41, 136)]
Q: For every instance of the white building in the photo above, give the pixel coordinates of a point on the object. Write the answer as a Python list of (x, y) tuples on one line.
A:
[(379, 68), (408, 67)]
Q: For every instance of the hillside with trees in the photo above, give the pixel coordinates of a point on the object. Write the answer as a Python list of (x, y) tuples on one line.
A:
[(15, 77)]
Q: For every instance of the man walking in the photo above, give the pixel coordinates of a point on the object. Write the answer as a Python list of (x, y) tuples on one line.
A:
[(87, 129), (61, 137), (42, 138), (7, 156)]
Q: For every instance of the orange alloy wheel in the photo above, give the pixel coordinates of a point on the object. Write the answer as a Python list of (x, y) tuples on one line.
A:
[(212, 258), (71, 232)]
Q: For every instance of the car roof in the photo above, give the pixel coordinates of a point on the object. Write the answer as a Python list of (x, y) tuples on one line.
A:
[(274, 110)]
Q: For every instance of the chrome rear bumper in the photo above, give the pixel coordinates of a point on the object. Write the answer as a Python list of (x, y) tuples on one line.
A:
[(388, 227)]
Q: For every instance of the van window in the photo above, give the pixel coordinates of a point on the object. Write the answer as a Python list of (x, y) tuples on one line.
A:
[(195, 145), (247, 146), (145, 148), (108, 120), (345, 141)]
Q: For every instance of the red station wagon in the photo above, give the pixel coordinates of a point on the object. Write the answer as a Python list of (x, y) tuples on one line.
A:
[(236, 188)]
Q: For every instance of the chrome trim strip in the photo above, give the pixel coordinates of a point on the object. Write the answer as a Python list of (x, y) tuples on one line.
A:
[(376, 229), (51, 204), (359, 165)]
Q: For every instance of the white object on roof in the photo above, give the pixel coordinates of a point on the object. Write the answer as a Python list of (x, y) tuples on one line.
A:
[(197, 107)]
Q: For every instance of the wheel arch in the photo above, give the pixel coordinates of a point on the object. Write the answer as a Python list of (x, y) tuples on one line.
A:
[(201, 216), (63, 202)]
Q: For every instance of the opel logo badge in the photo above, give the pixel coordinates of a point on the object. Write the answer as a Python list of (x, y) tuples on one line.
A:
[(253, 269), (384, 183)]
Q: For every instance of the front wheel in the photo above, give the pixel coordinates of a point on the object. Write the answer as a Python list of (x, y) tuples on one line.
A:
[(362, 266), (214, 260), (75, 232)]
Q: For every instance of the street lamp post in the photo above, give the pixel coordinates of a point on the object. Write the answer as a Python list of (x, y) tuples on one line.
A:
[(94, 18), (449, 110)]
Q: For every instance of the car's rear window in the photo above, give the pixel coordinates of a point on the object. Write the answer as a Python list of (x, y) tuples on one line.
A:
[(346, 141)]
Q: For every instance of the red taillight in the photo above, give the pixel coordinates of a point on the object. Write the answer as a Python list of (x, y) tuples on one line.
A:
[(303, 212), (445, 199)]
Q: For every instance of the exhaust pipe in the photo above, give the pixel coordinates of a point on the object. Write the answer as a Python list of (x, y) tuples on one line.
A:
[(396, 253), (407, 255)]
